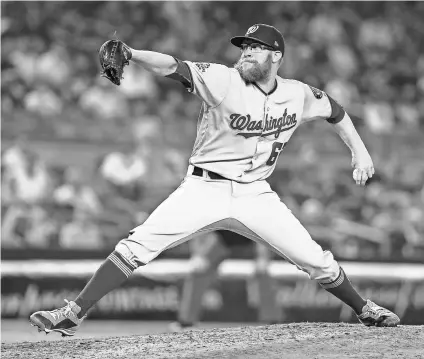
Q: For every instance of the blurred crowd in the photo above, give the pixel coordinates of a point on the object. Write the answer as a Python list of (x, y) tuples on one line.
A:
[(382, 221), (367, 55), (50, 206), (60, 206)]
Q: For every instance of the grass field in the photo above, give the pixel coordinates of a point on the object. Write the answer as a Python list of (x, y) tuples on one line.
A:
[(99, 339)]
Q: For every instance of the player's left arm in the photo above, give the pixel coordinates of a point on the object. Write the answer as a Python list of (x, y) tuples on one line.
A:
[(154, 62), (208, 81), (319, 105)]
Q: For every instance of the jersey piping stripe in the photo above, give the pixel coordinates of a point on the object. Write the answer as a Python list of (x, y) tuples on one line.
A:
[(243, 230), (191, 89), (200, 135), (269, 93)]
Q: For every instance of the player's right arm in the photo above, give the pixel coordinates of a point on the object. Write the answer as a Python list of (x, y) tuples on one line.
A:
[(319, 105)]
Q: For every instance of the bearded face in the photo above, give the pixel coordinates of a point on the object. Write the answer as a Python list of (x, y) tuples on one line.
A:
[(251, 70)]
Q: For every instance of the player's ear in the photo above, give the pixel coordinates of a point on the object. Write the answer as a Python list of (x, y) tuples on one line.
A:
[(277, 56)]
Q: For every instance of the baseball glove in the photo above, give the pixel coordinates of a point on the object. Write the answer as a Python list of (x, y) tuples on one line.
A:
[(113, 56)]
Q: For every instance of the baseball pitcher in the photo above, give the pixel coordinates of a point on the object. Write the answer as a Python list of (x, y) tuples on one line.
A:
[(248, 114)]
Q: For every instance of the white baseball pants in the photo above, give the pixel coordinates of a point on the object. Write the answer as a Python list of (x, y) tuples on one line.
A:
[(254, 210)]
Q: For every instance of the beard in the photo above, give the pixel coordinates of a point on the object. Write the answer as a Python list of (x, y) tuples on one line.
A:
[(255, 72)]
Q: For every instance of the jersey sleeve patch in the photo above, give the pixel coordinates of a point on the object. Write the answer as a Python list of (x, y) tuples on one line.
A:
[(210, 82), (317, 93), (316, 104), (202, 66)]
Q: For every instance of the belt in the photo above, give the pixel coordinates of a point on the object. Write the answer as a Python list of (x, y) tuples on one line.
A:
[(197, 171)]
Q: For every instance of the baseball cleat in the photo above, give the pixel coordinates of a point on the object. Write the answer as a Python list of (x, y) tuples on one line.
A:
[(63, 320), (374, 315)]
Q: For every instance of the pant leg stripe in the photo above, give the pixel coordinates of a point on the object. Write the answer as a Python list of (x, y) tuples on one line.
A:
[(336, 283), (115, 260)]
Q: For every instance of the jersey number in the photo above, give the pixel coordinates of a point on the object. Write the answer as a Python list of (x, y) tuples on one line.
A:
[(277, 147)]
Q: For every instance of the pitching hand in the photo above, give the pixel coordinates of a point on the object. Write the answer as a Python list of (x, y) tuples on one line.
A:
[(363, 168)]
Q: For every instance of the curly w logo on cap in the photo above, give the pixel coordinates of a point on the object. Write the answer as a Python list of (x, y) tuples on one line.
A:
[(252, 29)]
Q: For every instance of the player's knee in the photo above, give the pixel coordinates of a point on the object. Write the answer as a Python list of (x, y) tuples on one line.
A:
[(325, 275), (325, 269), (131, 255)]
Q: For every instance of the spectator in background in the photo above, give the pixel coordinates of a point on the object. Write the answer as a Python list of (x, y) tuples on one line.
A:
[(76, 193), (82, 233), (392, 222), (14, 157), (208, 251), (124, 171), (42, 230), (13, 227), (406, 111), (324, 29), (414, 231), (44, 101), (28, 226), (27, 176), (27, 184), (103, 102), (166, 165), (122, 178)]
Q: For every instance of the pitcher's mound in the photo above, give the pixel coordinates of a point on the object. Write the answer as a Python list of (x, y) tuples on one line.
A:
[(300, 340)]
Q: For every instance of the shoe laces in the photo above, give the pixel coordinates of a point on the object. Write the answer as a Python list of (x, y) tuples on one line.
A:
[(66, 310), (374, 308)]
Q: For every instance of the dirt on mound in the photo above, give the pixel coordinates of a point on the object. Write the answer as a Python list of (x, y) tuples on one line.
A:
[(301, 340)]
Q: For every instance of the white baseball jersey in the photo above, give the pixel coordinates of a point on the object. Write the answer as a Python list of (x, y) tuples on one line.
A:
[(242, 130)]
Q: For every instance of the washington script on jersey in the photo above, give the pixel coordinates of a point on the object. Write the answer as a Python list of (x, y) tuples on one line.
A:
[(273, 126)]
